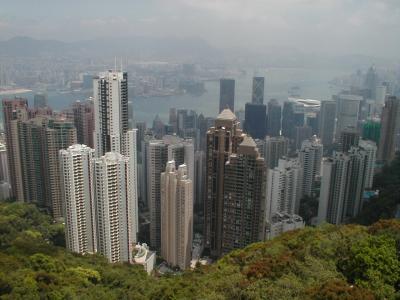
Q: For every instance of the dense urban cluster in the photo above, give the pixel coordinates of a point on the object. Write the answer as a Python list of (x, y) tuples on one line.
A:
[(195, 189)]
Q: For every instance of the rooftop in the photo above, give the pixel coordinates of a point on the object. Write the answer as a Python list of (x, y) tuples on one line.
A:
[(226, 114)]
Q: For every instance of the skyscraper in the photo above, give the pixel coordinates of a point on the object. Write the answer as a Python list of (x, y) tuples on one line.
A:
[(116, 232), (40, 100), (244, 197), (347, 110), (258, 90), (310, 157), (60, 134), (222, 140), (371, 130), (326, 120), (344, 179), (275, 148), (176, 216), (110, 91), (370, 149), (302, 133), (283, 188), (255, 120), (77, 193), (274, 116), (14, 110), (349, 137), (390, 126), (84, 122), (227, 94), (158, 153), (292, 117)]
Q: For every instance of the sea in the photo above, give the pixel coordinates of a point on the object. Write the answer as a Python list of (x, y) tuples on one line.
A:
[(279, 84)]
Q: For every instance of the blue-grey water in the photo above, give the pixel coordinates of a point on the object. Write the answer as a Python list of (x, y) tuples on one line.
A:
[(313, 84)]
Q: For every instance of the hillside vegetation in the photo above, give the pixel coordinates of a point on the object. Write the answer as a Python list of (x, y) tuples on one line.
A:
[(346, 262)]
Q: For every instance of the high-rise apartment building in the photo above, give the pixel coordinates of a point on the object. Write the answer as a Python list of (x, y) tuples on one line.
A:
[(14, 110), (255, 120), (116, 232), (258, 90), (275, 148), (176, 216), (370, 149), (310, 157), (390, 127), (347, 112), (284, 188), (110, 91), (222, 140), (326, 126), (244, 197), (274, 117), (158, 153), (77, 193), (227, 94), (4, 172), (343, 182), (84, 122)]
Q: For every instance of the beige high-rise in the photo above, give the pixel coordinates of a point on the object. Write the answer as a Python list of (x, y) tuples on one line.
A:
[(176, 216)]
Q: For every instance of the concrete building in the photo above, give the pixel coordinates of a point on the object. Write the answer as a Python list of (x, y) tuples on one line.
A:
[(110, 93), (226, 94), (343, 183), (292, 117), (176, 216), (326, 126), (281, 223), (349, 137), (274, 116), (116, 232), (145, 257), (310, 157), (275, 148), (4, 172), (244, 197), (77, 195), (84, 122), (158, 153), (284, 188), (14, 110), (302, 133), (222, 140), (371, 150), (258, 90), (390, 127), (347, 110)]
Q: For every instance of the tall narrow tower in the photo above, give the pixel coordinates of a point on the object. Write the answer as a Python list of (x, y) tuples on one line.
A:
[(114, 207), (226, 94), (176, 216), (310, 157), (258, 90), (110, 91), (77, 193), (222, 140)]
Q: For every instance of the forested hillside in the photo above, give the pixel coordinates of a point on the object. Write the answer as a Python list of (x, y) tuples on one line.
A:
[(347, 262)]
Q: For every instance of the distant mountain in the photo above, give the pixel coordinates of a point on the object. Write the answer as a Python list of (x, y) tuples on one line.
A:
[(143, 47)]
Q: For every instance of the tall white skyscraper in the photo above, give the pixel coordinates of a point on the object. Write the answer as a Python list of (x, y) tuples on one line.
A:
[(176, 216), (310, 157), (115, 207), (110, 92), (158, 153), (283, 188), (77, 195)]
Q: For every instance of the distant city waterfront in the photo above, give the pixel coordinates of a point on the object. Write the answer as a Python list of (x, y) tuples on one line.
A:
[(312, 83)]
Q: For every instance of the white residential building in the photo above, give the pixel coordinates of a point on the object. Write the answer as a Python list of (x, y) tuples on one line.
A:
[(115, 207), (77, 196), (310, 157)]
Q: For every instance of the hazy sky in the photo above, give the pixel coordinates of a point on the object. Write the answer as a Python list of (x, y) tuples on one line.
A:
[(369, 27)]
